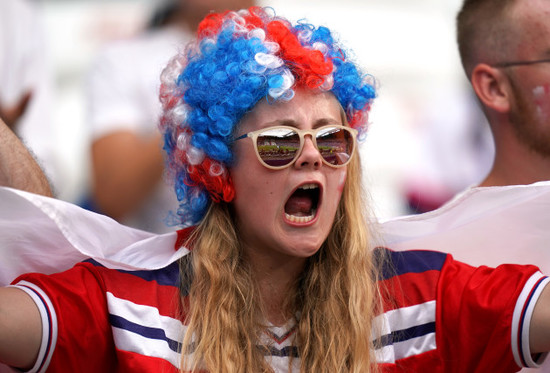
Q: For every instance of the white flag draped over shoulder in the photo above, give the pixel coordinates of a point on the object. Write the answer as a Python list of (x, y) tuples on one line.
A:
[(40, 234), (482, 226)]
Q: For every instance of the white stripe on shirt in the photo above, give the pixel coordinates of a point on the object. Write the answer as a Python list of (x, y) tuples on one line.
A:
[(148, 316), (49, 320), (402, 319), (521, 319)]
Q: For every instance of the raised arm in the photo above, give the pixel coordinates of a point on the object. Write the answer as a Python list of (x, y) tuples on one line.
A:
[(127, 169), (20, 328), (539, 330), (18, 169)]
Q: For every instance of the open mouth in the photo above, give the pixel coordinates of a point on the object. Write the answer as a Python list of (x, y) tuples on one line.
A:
[(301, 207)]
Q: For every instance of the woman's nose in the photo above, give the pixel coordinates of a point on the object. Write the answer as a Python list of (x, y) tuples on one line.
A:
[(309, 156)]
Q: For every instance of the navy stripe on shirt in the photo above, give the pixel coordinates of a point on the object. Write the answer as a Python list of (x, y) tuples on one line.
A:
[(168, 276), (145, 331), (397, 263), (405, 334), (288, 351)]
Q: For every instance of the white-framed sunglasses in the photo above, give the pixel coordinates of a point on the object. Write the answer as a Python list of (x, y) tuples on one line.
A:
[(279, 147)]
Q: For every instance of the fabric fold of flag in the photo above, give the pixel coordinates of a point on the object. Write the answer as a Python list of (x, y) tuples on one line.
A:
[(46, 235)]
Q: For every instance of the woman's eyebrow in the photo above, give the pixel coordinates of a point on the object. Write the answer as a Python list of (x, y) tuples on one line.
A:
[(281, 122), (325, 121), (292, 123)]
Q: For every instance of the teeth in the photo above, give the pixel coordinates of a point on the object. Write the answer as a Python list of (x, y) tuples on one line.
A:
[(300, 219), (303, 219), (309, 186)]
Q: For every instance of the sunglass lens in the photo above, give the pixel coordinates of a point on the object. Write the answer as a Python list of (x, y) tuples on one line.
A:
[(278, 147), (335, 145)]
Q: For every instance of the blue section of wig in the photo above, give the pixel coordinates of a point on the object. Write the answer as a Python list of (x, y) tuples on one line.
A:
[(193, 201), (222, 84)]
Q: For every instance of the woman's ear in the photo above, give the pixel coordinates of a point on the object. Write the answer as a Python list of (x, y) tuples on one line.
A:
[(492, 87)]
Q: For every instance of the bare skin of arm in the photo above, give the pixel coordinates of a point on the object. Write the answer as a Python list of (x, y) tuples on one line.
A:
[(539, 331), (20, 328), (126, 169), (18, 169)]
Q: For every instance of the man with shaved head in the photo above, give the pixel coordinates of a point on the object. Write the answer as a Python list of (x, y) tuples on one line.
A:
[(505, 50)]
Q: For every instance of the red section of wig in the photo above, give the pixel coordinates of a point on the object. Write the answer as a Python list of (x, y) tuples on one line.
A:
[(309, 65), (220, 187), (253, 19), (211, 24)]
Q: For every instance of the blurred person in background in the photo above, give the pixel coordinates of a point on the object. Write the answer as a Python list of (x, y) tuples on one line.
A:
[(454, 150), (123, 111), (26, 87), (505, 52)]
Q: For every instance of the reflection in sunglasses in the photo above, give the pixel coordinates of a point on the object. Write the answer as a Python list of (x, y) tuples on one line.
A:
[(278, 147)]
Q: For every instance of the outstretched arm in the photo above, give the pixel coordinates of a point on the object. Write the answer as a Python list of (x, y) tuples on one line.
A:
[(539, 330), (20, 328), (18, 169)]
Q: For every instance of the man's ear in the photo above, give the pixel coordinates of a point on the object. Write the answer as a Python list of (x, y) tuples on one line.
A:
[(492, 87)]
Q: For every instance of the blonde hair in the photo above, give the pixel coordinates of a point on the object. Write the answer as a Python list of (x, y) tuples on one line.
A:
[(336, 297)]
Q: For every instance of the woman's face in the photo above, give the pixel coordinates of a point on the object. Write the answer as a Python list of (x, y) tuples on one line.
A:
[(275, 209)]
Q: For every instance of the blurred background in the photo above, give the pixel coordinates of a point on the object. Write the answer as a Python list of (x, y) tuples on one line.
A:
[(414, 156)]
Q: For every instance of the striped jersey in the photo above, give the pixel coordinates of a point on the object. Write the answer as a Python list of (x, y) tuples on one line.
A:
[(439, 315)]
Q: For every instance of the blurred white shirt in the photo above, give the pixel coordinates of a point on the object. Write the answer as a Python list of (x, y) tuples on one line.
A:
[(123, 94), (24, 68)]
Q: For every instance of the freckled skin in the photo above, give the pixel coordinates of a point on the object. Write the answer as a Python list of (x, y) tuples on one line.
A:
[(530, 107), (542, 101)]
